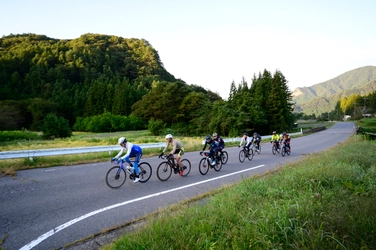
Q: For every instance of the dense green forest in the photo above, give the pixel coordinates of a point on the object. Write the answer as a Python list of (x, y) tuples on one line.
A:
[(109, 83)]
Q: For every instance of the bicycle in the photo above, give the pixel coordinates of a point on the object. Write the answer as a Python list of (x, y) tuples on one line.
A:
[(276, 148), (205, 163), (256, 149), (224, 156), (165, 168), (245, 153), (285, 150), (117, 175)]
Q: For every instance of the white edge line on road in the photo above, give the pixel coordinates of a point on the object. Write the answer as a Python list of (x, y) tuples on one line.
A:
[(69, 223)]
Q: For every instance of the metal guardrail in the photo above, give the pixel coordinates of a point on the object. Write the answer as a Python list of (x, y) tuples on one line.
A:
[(82, 150)]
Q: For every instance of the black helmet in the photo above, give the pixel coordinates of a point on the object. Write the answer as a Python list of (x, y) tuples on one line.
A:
[(208, 137), (245, 133), (284, 132)]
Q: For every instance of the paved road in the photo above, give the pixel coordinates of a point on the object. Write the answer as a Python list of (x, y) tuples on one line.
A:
[(49, 208)]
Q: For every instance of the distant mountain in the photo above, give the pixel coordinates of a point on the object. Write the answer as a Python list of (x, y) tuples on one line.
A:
[(322, 97)]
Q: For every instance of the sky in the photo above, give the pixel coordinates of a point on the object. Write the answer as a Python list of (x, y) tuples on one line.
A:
[(212, 43)]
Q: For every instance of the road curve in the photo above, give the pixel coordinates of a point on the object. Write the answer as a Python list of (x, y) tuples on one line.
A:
[(49, 208)]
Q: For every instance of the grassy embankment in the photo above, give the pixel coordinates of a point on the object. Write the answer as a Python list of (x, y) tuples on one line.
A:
[(325, 201), (33, 141)]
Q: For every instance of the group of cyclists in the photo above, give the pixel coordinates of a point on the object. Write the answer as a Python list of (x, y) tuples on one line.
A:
[(216, 145), (279, 139)]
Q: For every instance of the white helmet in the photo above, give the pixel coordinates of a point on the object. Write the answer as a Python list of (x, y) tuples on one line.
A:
[(122, 140), (169, 136), (215, 134)]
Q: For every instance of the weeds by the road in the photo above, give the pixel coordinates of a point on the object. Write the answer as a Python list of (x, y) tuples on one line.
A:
[(325, 201)]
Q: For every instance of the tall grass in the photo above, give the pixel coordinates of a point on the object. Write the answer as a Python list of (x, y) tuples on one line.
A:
[(326, 201)]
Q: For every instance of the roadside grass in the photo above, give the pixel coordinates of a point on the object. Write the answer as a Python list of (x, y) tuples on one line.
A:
[(325, 201)]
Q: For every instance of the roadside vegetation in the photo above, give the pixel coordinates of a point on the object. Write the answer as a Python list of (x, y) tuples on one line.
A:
[(325, 201)]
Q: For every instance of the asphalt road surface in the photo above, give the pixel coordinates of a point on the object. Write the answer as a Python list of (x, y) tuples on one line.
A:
[(51, 207)]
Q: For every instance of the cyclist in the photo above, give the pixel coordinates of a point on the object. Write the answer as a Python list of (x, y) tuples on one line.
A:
[(286, 139), (221, 142), (177, 148), (213, 147), (275, 138), (247, 140), (132, 151), (256, 139)]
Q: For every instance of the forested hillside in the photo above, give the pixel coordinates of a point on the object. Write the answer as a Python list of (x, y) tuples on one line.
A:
[(323, 97), (108, 83)]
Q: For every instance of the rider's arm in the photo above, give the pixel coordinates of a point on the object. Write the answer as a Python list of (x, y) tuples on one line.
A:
[(204, 146), (241, 141), (164, 150), (120, 153)]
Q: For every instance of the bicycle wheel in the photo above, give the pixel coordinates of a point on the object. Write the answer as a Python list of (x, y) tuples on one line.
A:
[(164, 171), (187, 164), (242, 155), (274, 149), (224, 157), (218, 166), (115, 177), (250, 154), (283, 151), (145, 171), (203, 167)]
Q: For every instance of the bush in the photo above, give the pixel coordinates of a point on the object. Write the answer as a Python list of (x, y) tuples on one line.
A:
[(108, 122), (18, 135), (156, 126), (54, 126)]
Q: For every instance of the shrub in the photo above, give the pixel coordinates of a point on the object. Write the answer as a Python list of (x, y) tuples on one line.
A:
[(54, 126)]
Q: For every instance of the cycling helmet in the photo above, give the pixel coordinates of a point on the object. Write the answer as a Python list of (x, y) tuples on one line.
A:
[(284, 132), (122, 140), (215, 134), (208, 137), (245, 133), (274, 132), (169, 136)]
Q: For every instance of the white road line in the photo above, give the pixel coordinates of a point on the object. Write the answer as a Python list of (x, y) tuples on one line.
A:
[(69, 223)]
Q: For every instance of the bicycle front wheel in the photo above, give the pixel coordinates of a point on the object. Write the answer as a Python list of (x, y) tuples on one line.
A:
[(203, 167), (250, 154), (274, 149), (218, 166), (164, 171), (242, 155), (116, 177), (259, 149), (224, 157), (283, 151), (145, 171), (186, 163)]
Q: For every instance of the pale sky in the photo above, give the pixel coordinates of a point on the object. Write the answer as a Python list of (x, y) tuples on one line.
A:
[(214, 42)]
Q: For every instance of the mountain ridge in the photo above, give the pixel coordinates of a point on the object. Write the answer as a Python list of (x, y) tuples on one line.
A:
[(322, 97)]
